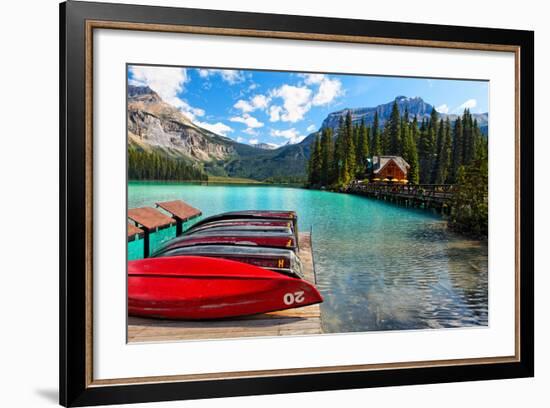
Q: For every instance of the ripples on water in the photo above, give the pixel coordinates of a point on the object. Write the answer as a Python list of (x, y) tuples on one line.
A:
[(379, 266)]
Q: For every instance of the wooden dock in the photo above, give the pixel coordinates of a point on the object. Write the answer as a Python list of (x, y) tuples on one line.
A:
[(436, 196), (146, 220), (300, 321)]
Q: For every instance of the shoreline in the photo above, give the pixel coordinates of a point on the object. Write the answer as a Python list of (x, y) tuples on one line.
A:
[(229, 182)]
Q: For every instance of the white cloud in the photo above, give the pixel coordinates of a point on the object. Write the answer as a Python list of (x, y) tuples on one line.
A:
[(469, 104), (329, 89), (241, 139), (442, 108), (219, 128), (168, 82), (291, 134), (311, 128), (311, 79), (256, 102), (230, 76), (249, 121), (250, 131), (244, 106), (203, 73), (253, 141), (296, 103), (275, 113), (190, 111), (298, 100), (135, 82), (260, 101)]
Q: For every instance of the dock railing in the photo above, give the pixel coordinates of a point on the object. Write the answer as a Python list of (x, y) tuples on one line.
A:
[(428, 195)]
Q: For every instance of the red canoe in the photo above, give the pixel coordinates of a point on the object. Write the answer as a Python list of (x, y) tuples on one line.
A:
[(246, 222), (271, 240), (252, 215), (196, 288)]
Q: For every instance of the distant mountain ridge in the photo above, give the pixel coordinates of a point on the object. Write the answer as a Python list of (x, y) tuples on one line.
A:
[(266, 146), (155, 125), (416, 107)]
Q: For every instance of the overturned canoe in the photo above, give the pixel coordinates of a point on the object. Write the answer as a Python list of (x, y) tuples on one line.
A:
[(195, 288), (244, 238), (253, 215), (242, 222), (275, 259), (212, 230)]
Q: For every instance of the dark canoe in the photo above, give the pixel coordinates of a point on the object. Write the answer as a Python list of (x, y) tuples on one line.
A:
[(278, 260), (214, 229), (244, 222), (283, 240), (253, 215)]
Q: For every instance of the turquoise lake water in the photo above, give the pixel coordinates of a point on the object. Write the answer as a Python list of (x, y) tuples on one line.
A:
[(379, 266)]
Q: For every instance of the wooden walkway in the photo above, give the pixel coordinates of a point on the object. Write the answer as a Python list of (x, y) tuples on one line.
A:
[(437, 196), (300, 321)]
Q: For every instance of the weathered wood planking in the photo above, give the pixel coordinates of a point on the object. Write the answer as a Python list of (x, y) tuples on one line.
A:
[(149, 218), (300, 321), (180, 210), (134, 232)]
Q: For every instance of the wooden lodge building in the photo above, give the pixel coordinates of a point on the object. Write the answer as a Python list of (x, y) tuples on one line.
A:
[(392, 168)]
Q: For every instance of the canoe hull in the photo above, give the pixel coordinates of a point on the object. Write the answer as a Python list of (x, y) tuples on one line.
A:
[(275, 259), (199, 288), (285, 241)]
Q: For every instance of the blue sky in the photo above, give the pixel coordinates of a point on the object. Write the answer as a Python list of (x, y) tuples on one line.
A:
[(283, 107)]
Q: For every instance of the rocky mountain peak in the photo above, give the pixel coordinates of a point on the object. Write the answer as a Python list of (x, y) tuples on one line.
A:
[(143, 94), (415, 106)]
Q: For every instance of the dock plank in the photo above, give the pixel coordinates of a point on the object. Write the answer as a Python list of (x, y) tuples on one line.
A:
[(180, 210), (150, 218), (134, 232), (300, 321)]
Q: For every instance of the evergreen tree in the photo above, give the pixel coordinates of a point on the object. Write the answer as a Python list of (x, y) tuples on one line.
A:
[(457, 155), (410, 152), (438, 148), (469, 212), (376, 142), (327, 156), (362, 150), (444, 155), (144, 165), (314, 176), (394, 132), (415, 132), (338, 165), (425, 154), (414, 171), (385, 137), (356, 135), (468, 147), (433, 131), (481, 146), (349, 151)]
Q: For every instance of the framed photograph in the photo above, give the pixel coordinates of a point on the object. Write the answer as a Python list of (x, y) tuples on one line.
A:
[(256, 203)]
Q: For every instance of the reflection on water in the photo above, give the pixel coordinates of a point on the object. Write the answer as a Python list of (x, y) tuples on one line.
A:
[(379, 266)]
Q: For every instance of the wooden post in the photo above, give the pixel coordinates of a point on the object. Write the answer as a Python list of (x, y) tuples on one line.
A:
[(146, 243), (179, 226)]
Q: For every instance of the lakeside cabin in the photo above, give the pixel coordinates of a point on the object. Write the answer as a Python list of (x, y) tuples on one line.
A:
[(392, 168)]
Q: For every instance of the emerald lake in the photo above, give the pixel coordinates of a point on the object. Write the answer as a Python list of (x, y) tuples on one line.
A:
[(379, 266)]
